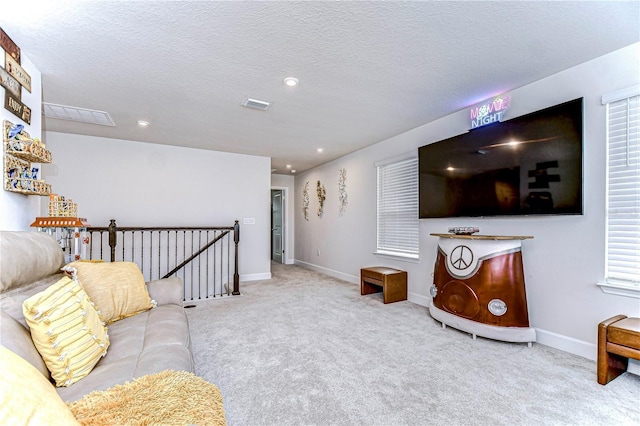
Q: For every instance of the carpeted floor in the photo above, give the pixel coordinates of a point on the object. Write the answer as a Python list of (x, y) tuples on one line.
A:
[(307, 349)]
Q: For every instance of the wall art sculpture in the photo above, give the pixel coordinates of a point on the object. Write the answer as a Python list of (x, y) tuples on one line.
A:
[(342, 190), (305, 201), (322, 195)]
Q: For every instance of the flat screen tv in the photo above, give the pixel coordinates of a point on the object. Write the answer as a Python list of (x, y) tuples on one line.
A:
[(529, 165)]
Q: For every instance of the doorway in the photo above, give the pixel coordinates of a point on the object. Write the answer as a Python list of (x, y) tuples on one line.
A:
[(277, 225)]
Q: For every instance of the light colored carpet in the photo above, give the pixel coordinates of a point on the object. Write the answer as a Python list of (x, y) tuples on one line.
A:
[(165, 398), (307, 349)]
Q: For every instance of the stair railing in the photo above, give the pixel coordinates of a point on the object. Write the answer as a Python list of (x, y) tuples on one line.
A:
[(201, 256)]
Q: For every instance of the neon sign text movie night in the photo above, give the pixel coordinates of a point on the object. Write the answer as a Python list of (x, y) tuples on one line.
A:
[(489, 112)]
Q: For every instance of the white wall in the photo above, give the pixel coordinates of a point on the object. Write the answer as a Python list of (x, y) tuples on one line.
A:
[(142, 184), (286, 183), (18, 211), (564, 260)]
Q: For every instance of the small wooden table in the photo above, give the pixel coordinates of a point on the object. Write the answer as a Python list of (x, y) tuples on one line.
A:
[(391, 282), (618, 340)]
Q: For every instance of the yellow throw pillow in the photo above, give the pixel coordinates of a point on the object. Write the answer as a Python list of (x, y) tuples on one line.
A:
[(67, 330), (26, 397), (117, 288)]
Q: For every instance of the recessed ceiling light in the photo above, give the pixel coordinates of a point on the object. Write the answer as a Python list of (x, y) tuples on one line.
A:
[(293, 171), (320, 149), (288, 166), (450, 168), (291, 81), (143, 123)]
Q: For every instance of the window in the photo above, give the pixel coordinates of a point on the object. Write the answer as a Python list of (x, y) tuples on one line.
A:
[(623, 192), (398, 225)]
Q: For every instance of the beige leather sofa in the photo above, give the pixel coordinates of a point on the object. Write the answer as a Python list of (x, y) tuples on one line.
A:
[(146, 343)]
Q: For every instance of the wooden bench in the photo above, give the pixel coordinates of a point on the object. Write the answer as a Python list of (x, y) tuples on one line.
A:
[(391, 282), (618, 340)]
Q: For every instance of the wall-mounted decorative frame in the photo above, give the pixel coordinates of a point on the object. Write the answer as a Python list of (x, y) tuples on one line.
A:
[(11, 84), (13, 78), (16, 107), (14, 68), (9, 46)]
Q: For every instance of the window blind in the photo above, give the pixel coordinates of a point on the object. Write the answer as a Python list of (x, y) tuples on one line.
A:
[(623, 191), (397, 208)]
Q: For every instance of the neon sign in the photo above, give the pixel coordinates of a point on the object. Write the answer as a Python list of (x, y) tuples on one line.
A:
[(489, 112)]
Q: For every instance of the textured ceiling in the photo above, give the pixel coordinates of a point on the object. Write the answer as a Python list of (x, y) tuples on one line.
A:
[(367, 70)]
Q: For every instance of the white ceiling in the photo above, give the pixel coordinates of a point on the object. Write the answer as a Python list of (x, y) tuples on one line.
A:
[(367, 70)]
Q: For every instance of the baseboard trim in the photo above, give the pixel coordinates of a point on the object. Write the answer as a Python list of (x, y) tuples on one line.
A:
[(567, 344), (330, 272), (577, 347), (255, 277), (419, 299)]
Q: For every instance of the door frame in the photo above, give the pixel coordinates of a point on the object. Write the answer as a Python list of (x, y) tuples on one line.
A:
[(286, 226), (277, 200)]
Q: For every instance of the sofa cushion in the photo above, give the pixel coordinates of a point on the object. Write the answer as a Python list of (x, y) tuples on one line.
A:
[(166, 291), (160, 327), (12, 300), (17, 339), (27, 257), (146, 343), (117, 288), (26, 397), (67, 330)]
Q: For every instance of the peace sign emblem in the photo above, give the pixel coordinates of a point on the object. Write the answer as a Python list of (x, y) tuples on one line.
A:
[(461, 257)]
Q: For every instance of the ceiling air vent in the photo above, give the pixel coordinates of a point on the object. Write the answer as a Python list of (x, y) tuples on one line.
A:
[(83, 115), (256, 104)]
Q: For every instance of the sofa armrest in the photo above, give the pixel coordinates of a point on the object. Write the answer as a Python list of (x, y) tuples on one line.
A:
[(166, 291)]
